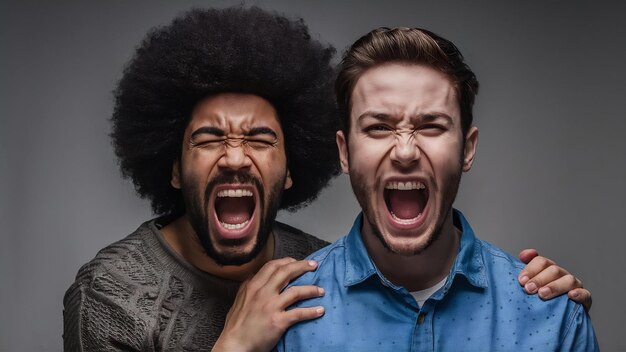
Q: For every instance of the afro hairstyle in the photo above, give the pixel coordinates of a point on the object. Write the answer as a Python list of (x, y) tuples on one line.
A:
[(211, 51)]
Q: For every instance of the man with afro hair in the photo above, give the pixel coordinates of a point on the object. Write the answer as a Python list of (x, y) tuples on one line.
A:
[(221, 119)]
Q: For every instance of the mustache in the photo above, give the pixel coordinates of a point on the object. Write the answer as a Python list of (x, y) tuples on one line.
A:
[(230, 176)]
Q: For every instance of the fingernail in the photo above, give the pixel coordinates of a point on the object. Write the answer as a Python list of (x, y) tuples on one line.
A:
[(312, 263), (320, 310), (523, 280), (544, 292), (320, 291), (574, 294), (531, 287)]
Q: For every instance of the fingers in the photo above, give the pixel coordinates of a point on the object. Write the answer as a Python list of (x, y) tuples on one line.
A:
[(276, 274), (268, 269), (537, 265), (253, 287), (527, 255), (291, 271), (570, 285), (265, 287), (298, 293), (551, 281), (548, 280), (259, 315), (555, 287), (282, 274), (296, 315), (582, 296)]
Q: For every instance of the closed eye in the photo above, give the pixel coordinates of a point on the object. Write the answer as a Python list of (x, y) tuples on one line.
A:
[(207, 143), (259, 143), (207, 137), (378, 130), (432, 129)]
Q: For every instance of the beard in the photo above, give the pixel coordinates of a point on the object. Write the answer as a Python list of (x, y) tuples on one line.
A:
[(199, 219), (363, 193)]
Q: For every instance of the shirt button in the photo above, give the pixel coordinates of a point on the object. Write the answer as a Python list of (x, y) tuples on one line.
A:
[(420, 318)]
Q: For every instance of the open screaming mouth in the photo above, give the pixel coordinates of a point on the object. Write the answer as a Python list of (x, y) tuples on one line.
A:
[(234, 207), (406, 200)]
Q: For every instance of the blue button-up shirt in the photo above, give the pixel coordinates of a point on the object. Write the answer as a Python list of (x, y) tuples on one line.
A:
[(481, 306)]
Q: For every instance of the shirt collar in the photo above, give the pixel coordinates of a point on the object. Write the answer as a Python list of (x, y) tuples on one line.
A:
[(468, 263), (359, 265)]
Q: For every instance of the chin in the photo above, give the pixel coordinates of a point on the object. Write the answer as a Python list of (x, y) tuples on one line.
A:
[(406, 246), (234, 252)]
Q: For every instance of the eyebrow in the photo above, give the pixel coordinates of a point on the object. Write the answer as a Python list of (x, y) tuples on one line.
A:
[(255, 131), (208, 130), (261, 130), (425, 118), (376, 115), (430, 117)]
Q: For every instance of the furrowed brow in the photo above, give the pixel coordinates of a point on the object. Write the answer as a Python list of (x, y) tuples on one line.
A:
[(208, 130), (376, 115), (255, 131), (431, 117)]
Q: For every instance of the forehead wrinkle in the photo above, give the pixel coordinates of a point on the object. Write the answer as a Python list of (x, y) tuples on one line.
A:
[(378, 104), (377, 91), (236, 115), (236, 123)]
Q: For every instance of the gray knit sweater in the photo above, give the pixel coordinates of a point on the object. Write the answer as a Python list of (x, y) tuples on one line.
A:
[(139, 295)]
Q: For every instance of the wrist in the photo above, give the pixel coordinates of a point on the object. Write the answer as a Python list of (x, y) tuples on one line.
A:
[(230, 345)]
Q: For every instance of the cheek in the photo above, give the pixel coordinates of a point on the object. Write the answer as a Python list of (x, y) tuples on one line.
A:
[(368, 154), (271, 164), (446, 158), (199, 164)]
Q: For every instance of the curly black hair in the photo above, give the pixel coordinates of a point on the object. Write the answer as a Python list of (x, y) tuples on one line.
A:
[(210, 51)]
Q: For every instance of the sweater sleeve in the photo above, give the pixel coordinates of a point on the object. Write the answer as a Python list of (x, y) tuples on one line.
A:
[(96, 321)]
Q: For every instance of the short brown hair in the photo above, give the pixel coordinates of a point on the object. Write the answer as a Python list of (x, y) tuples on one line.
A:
[(411, 45)]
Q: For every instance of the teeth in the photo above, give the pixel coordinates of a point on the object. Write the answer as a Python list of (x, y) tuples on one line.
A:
[(234, 193), (234, 226), (405, 221), (405, 186)]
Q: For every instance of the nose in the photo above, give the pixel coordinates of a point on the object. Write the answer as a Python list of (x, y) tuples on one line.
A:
[(405, 151), (235, 157)]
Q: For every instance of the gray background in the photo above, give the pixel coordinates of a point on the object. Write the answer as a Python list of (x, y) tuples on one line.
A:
[(549, 173)]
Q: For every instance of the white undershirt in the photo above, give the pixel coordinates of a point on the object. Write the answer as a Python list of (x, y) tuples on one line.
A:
[(422, 295)]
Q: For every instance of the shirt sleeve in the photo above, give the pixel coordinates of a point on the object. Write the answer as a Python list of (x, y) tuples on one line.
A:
[(92, 321), (579, 334), (280, 346)]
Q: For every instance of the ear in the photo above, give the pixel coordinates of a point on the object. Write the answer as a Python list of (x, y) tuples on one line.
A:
[(469, 151), (288, 181), (342, 145), (175, 180)]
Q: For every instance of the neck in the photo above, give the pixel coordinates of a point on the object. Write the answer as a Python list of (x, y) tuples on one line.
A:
[(181, 237), (418, 271)]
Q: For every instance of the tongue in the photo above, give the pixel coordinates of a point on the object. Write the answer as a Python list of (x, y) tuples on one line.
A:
[(406, 204), (233, 210)]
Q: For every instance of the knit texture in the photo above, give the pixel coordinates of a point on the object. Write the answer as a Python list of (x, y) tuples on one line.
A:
[(139, 295)]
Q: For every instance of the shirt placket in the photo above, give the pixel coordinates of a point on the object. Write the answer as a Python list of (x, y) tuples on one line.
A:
[(423, 336)]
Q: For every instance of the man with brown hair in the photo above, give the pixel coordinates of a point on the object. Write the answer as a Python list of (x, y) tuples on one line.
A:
[(410, 274)]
